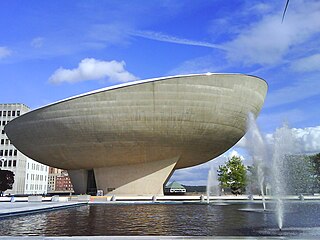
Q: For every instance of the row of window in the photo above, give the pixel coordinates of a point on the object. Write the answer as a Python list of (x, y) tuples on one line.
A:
[(3, 123), (10, 113), (5, 141), (8, 163), (35, 187), (8, 153), (36, 177), (37, 167)]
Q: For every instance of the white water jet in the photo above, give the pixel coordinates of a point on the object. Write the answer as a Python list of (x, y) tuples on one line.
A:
[(258, 150), (284, 145), (212, 184)]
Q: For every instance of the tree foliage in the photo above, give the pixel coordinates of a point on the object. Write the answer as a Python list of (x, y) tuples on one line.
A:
[(299, 174), (253, 180), (316, 163), (233, 175), (6, 180)]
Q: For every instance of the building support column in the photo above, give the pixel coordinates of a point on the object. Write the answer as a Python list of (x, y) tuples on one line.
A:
[(79, 179), (138, 179)]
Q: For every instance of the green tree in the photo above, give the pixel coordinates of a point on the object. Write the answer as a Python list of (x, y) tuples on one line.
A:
[(252, 180), (253, 185), (233, 175), (316, 163), (299, 174), (6, 180)]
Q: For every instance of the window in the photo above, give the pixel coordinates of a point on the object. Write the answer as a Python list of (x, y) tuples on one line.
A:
[(2, 131), (14, 163), (26, 186), (6, 152), (0, 163), (5, 163), (0, 113), (18, 113), (3, 123), (9, 113), (4, 113), (27, 176), (10, 163), (1, 153), (15, 153), (28, 165), (10, 152), (7, 142), (2, 141), (13, 113)]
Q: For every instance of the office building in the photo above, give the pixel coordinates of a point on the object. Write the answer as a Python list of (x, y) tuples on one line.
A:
[(30, 176)]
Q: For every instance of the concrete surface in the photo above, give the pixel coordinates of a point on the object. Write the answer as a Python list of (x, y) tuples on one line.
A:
[(20, 208), (177, 122)]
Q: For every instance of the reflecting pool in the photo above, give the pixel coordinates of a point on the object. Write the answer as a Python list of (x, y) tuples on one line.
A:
[(232, 219)]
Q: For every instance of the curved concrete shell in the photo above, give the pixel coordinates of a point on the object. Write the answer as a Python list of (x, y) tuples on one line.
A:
[(133, 136)]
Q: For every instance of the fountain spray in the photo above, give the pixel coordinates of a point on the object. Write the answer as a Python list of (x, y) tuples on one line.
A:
[(284, 144), (258, 151), (212, 184)]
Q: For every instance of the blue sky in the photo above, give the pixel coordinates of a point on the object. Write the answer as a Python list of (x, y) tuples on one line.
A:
[(50, 50)]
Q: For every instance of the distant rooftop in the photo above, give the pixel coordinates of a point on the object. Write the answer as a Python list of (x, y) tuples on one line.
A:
[(175, 185)]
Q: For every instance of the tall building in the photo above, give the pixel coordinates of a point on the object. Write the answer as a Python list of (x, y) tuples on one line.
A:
[(52, 178), (59, 181), (63, 182), (30, 176)]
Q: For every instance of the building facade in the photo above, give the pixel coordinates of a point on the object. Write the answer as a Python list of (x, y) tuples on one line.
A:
[(30, 176), (59, 181)]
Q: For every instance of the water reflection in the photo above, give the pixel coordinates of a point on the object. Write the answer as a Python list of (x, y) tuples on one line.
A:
[(171, 220)]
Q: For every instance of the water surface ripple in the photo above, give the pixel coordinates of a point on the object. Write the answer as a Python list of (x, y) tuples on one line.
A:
[(301, 218)]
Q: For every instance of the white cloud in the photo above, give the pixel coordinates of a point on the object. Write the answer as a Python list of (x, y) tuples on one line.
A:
[(307, 64), (306, 140), (37, 42), (293, 93), (172, 39), (261, 8), (234, 153), (198, 175), (113, 33), (4, 52), (196, 65), (268, 41), (92, 69)]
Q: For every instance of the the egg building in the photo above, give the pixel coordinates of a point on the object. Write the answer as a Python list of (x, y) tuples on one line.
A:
[(130, 138)]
